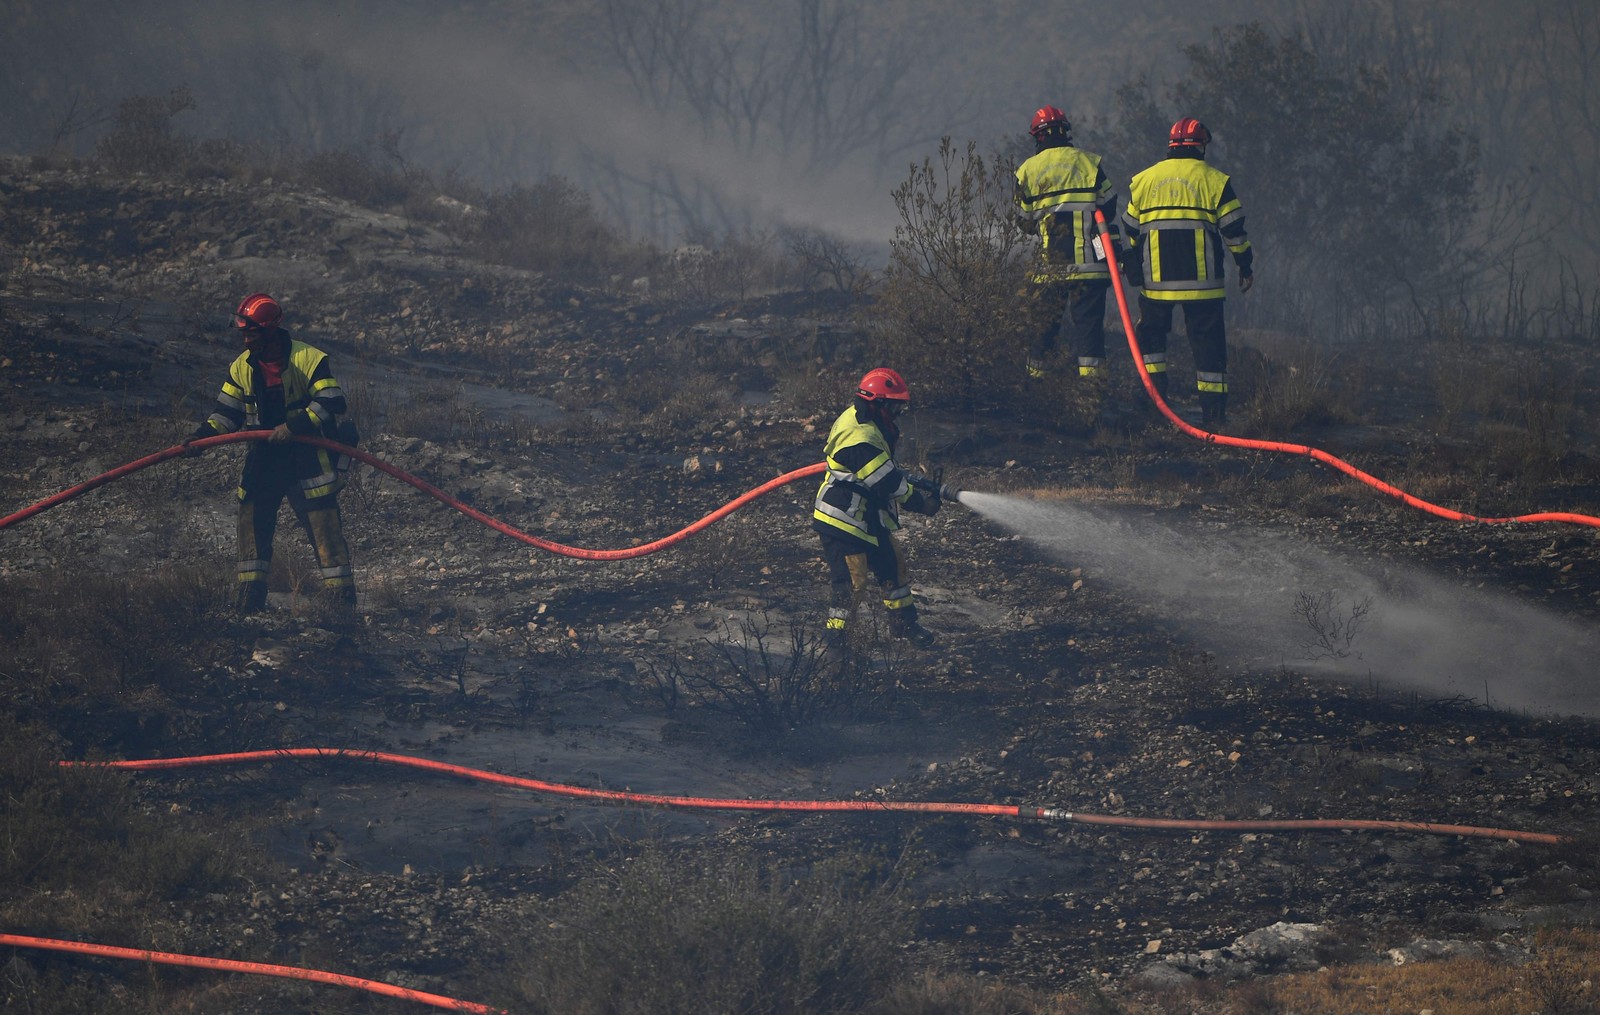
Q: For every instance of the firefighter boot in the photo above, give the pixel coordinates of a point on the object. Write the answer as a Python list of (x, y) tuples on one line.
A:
[(1213, 407), (1146, 406), (250, 597), (903, 624), (1159, 379), (337, 606)]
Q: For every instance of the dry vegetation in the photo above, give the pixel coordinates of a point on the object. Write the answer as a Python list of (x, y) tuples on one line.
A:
[(130, 652)]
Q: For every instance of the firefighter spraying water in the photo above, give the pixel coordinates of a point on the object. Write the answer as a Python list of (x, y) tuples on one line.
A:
[(857, 509)]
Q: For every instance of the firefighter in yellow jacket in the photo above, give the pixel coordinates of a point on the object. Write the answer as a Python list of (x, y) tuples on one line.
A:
[(286, 386), (1181, 213), (1057, 192), (857, 509)]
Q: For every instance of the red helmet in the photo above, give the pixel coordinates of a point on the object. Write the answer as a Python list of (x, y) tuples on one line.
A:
[(1188, 131), (258, 310), (1049, 120), (885, 384)]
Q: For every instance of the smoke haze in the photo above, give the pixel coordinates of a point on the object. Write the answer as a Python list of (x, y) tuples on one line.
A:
[(676, 110)]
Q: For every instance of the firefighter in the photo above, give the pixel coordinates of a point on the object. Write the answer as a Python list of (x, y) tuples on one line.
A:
[(1181, 212), (286, 386), (1057, 192), (858, 506)]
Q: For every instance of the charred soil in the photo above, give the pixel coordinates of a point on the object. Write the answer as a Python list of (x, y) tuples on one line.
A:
[(597, 418)]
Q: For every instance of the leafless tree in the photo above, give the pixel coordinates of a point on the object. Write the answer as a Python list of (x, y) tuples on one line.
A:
[(1567, 97), (812, 90)]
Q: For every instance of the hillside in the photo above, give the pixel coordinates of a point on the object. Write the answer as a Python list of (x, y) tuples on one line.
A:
[(1068, 674)]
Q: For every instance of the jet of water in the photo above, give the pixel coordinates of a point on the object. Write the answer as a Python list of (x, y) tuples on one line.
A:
[(1256, 598)]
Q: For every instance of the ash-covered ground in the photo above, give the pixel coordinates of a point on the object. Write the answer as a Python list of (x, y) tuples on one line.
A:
[(1130, 622)]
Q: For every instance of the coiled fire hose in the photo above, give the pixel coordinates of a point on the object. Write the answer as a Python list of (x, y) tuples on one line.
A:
[(1294, 449), (427, 488)]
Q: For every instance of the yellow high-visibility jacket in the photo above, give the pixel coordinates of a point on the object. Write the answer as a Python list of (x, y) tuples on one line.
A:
[(863, 489), (1180, 213), (1058, 190), (308, 401)]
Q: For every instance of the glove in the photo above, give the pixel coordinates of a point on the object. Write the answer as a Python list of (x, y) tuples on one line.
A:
[(201, 431), (1245, 282), (1133, 268), (280, 434), (929, 491)]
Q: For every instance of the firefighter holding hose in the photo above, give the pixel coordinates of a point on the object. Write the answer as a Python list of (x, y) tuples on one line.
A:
[(281, 384), (857, 508)]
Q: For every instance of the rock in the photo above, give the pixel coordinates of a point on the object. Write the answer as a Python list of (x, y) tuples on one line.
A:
[(1281, 946), (1161, 976), (1430, 950)]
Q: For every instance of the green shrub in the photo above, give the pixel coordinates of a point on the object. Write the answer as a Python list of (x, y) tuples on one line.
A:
[(102, 634), (79, 844), (948, 312), (553, 228), (1363, 184), (652, 933), (355, 177), (142, 139)]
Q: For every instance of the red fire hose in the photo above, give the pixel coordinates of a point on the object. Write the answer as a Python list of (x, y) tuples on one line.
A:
[(234, 966), (821, 806), (427, 488), (686, 803), (1294, 449)]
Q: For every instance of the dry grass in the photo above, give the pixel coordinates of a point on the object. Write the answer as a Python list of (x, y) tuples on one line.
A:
[(65, 636), (1559, 979), (1283, 381)]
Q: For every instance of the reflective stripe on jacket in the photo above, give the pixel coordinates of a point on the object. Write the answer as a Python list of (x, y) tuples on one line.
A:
[(310, 400), (1180, 213), (1058, 189), (863, 489)]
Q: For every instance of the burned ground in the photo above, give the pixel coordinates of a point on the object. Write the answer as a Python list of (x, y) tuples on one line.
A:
[(598, 418)]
